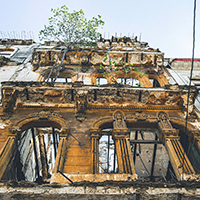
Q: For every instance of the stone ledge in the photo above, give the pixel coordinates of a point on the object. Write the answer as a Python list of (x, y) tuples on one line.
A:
[(119, 190), (58, 178)]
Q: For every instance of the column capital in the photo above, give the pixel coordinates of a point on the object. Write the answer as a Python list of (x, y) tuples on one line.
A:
[(13, 131), (120, 133), (64, 132), (172, 138), (169, 134), (95, 133)]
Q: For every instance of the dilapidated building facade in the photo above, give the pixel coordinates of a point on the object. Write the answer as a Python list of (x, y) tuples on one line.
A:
[(122, 118)]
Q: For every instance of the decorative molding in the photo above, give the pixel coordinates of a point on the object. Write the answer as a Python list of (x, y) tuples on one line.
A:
[(9, 96), (140, 116), (119, 120), (81, 102), (131, 107), (165, 127), (44, 116)]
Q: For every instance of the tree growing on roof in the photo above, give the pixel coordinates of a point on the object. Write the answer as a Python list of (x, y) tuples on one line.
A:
[(71, 29)]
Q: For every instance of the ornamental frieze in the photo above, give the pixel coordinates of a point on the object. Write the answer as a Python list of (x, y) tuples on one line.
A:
[(69, 96)]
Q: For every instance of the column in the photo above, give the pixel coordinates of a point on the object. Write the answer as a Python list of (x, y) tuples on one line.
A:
[(61, 152), (178, 157), (43, 154), (7, 153), (123, 151), (95, 136)]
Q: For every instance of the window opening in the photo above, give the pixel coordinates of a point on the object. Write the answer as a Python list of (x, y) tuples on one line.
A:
[(63, 80), (191, 151), (194, 158), (154, 82), (141, 56), (107, 155), (49, 55), (149, 155), (129, 81), (101, 81), (37, 153)]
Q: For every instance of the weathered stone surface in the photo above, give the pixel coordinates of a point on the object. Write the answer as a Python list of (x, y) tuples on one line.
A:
[(96, 191), (58, 127)]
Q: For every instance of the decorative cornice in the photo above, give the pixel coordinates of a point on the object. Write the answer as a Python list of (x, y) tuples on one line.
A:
[(125, 107)]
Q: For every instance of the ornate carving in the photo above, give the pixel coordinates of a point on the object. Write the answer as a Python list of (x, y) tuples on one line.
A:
[(95, 135), (119, 120), (81, 104), (170, 133), (91, 94), (84, 59), (35, 60), (166, 129), (42, 115), (144, 96), (140, 116), (129, 94), (9, 99), (164, 120), (103, 94), (13, 130), (68, 95)]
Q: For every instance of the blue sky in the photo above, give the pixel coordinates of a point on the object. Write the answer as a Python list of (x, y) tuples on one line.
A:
[(164, 24)]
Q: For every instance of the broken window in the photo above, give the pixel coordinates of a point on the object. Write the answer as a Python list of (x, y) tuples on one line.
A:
[(107, 155), (149, 155), (37, 148)]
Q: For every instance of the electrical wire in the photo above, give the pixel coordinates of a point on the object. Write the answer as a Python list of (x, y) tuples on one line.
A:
[(190, 81)]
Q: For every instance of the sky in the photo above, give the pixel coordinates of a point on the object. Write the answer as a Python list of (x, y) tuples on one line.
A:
[(164, 24)]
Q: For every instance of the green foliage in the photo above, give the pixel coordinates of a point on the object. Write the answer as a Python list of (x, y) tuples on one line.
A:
[(138, 84), (71, 28), (124, 68), (104, 74)]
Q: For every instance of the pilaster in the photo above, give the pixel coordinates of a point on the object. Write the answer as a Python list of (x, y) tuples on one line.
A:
[(61, 152)]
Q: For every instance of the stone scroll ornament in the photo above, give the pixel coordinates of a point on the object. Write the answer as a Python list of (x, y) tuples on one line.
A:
[(119, 120)]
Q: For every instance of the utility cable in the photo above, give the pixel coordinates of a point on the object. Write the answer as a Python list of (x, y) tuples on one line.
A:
[(188, 96), (192, 64)]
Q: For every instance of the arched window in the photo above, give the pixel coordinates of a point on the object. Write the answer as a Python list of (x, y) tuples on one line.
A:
[(111, 141), (37, 152), (107, 155), (154, 79), (154, 82), (34, 156), (130, 78)]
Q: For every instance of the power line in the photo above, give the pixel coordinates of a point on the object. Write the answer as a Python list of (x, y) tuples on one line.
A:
[(188, 96), (193, 47)]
